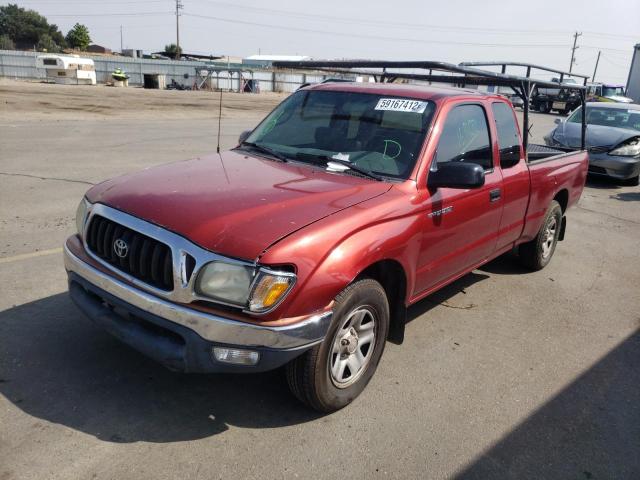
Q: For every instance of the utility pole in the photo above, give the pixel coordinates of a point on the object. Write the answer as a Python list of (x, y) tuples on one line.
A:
[(121, 47), (573, 50), (179, 6), (593, 79)]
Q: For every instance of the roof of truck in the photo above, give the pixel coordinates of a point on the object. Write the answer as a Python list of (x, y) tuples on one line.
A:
[(422, 92)]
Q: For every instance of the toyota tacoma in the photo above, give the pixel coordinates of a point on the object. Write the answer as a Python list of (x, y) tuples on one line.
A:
[(304, 245)]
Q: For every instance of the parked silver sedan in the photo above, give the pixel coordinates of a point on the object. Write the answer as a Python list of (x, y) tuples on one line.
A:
[(613, 139)]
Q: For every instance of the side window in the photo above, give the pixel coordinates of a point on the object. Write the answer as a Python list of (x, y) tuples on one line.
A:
[(508, 138), (465, 137)]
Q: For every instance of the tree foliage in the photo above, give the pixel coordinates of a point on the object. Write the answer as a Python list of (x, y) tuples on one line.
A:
[(6, 43), (26, 28), (171, 49), (46, 44), (78, 37)]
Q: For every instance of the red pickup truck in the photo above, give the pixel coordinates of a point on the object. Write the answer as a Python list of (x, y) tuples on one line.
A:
[(305, 244)]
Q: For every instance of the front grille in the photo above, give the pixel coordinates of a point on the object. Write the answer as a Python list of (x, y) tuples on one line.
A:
[(140, 256)]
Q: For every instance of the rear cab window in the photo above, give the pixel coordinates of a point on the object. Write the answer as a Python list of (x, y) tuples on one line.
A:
[(508, 137), (465, 137)]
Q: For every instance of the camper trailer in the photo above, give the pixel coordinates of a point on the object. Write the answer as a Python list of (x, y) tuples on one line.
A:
[(68, 69)]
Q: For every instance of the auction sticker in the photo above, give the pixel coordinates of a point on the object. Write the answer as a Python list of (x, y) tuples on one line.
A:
[(401, 105)]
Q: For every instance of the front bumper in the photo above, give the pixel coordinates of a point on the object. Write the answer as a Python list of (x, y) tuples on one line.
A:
[(179, 337), (622, 168)]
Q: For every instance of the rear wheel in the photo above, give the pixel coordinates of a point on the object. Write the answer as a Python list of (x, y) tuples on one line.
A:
[(332, 374), (544, 107), (632, 182), (537, 253)]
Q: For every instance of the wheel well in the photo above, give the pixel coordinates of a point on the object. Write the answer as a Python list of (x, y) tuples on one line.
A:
[(562, 197), (391, 276)]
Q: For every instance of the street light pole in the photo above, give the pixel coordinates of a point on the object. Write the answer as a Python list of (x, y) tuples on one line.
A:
[(178, 7)]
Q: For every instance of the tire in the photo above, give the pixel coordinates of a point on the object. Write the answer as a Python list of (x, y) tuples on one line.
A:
[(544, 107), (632, 182), (321, 377), (537, 253)]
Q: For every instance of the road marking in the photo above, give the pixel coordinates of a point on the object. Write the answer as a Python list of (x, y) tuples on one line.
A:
[(25, 256)]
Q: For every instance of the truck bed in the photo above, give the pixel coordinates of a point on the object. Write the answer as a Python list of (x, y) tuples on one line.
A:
[(556, 174), (537, 152)]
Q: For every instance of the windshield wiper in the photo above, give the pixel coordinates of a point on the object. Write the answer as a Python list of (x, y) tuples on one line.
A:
[(355, 168), (266, 150), (327, 159)]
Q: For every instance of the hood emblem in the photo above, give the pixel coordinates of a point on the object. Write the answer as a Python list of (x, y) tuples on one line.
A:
[(121, 248)]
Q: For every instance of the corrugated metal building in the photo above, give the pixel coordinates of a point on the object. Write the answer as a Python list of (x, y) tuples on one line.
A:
[(22, 65), (633, 82)]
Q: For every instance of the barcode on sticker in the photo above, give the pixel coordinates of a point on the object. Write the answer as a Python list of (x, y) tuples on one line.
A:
[(401, 105)]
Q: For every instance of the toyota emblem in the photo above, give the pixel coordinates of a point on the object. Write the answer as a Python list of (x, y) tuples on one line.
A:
[(121, 248)]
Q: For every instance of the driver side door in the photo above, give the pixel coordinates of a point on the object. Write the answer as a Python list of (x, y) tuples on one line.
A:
[(460, 225)]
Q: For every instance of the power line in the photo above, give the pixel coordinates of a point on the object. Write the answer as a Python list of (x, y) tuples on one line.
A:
[(376, 23), (130, 14), (614, 63), (387, 24), (84, 2), (372, 37), (629, 52)]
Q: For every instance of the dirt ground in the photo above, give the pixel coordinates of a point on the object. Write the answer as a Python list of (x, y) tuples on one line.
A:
[(42, 102), (503, 374)]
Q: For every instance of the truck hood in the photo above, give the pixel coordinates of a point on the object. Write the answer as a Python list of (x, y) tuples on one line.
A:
[(620, 99), (235, 203)]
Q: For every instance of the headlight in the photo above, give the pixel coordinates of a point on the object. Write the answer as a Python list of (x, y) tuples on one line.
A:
[(81, 215), (269, 288), (225, 282), (242, 286), (629, 148)]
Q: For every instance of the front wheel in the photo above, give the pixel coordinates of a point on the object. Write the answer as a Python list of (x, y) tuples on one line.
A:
[(537, 253), (332, 374)]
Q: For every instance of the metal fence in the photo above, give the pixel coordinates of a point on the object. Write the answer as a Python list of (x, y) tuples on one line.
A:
[(22, 65)]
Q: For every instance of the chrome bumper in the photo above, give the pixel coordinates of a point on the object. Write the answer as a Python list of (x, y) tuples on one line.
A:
[(304, 333)]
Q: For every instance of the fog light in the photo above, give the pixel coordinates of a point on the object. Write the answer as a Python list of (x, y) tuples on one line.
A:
[(236, 356)]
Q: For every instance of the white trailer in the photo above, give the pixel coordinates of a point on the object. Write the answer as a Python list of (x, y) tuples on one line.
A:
[(68, 69)]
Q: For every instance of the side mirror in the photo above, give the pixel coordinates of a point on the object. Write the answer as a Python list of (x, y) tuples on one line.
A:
[(456, 175), (557, 121), (244, 135), (510, 157)]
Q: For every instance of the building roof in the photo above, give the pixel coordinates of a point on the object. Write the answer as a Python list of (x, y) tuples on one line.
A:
[(278, 58)]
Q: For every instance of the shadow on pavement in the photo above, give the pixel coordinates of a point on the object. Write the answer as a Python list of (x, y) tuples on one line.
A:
[(56, 366), (594, 181), (590, 430), (442, 296), (627, 196), (507, 264)]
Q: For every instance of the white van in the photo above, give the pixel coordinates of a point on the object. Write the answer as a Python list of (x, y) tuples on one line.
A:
[(69, 69)]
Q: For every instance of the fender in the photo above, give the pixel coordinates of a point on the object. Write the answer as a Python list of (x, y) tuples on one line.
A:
[(328, 261)]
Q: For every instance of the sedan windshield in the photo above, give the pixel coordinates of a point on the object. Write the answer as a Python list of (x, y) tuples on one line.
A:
[(609, 117), (375, 134)]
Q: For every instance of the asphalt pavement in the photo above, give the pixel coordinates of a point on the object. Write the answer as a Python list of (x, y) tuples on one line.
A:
[(503, 374)]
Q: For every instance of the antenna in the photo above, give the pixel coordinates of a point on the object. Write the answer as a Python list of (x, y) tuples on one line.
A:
[(219, 119)]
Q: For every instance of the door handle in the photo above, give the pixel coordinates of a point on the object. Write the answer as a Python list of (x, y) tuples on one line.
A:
[(494, 195)]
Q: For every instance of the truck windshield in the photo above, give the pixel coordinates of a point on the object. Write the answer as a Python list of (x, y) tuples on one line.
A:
[(612, 92), (375, 133), (609, 117)]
